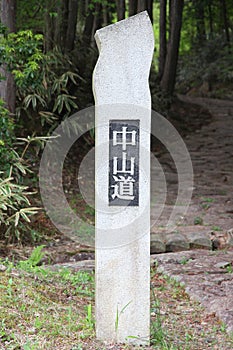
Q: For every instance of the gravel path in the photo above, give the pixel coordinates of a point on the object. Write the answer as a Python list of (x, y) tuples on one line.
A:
[(207, 275), (209, 219)]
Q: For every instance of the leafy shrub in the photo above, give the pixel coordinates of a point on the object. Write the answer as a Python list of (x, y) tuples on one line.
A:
[(9, 158), (6, 138), (44, 85), (22, 52), (15, 206), (15, 210), (51, 100), (211, 63), (43, 81)]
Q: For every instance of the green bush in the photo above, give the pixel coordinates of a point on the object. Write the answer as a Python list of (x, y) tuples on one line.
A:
[(210, 63), (15, 210), (15, 206), (6, 138), (44, 81), (44, 84), (22, 52)]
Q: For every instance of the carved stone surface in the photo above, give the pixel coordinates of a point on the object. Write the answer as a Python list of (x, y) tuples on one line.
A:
[(121, 91), (124, 141)]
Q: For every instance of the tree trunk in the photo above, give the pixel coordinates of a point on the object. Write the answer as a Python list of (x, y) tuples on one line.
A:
[(64, 22), (7, 86), (52, 31), (87, 32), (162, 36), (57, 24), (169, 74), (169, 18), (8, 14), (142, 5), (150, 9), (105, 14), (81, 16), (96, 21), (120, 5), (71, 25), (210, 19), (225, 20), (132, 7), (200, 20), (49, 31)]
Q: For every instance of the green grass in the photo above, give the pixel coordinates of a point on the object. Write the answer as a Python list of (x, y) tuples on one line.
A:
[(198, 220), (206, 202), (216, 228), (43, 309)]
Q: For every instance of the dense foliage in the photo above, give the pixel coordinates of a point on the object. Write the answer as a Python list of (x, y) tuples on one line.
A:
[(207, 70), (42, 80), (6, 138)]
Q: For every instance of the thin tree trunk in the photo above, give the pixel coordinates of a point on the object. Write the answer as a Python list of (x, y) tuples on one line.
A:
[(142, 5), (86, 6), (71, 25), (105, 14), (64, 22), (210, 19), (7, 86), (81, 16), (200, 21), (150, 9), (51, 24), (96, 21), (88, 28), (120, 5), (132, 7), (162, 36), (49, 31), (225, 21), (169, 73), (58, 21), (169, 18)]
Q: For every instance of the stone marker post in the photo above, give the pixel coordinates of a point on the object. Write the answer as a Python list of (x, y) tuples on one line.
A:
[(122, 167)]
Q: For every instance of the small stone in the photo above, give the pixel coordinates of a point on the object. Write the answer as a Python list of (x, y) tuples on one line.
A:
[(86, 265), (230, 237), (157, 244), (209, 340), (199, 240), (222, 264), (3, 268), (176, 242)]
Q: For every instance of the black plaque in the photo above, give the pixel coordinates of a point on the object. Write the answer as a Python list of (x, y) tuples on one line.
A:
[(124, 162)]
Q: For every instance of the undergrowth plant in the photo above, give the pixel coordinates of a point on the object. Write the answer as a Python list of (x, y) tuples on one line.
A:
[(211, 63), (16, 206), (34, 259), (6, 138), (15, 209), (44, 82)]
